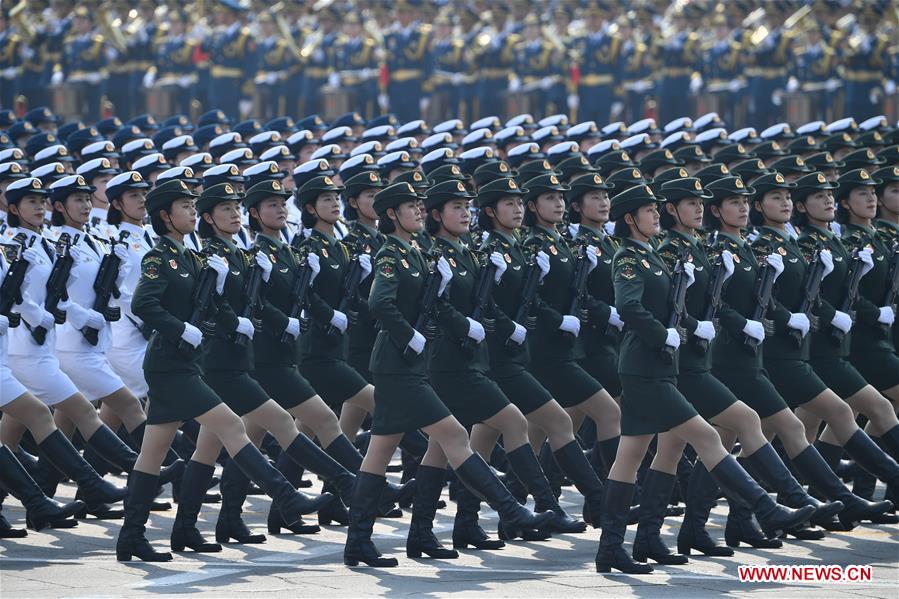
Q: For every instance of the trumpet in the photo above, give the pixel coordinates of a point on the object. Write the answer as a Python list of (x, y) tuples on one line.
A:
[(115, 35), (284, 31), (17, 16)]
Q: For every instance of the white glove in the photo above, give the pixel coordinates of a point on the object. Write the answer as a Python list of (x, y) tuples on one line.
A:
[(799, 321), (792, 85), (519, 334), (727, 259), (590, 252), (688, 270), (57, 78), (832, 84), (365, 265), (4, 324), (875, 96), (841, 321), (705, 330), (777, 262), (867, 259), (245, 327), (95, 320), (755, 329), (149, 79), (446, 275), (94, 78), (334, 80), (10, 72), (245, 107), (265, 263), (617, 109), (695, 84), (366, 74), (192, 335), (339, 321), (458, 78), (121, 252), (615, 319), (889, 87), (887, 316), (514, 84), (218, 264), (673, 338), (384, 104), (185, 81), (546, 83), (77, 254), (293, 327), (543, 263), (417, 343), (827, 261), (424, 104), (571, 324), (315, 264), (734, 86), (497, 260), (573, 101), (475, 330), (777, 98), (37, 257)]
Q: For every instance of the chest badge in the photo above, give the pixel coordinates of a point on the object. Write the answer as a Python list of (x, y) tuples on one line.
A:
[(184, 275), (553, 250), (782, 251), (645, 263), (452, 262), (324, 252), (658, 273), (736, 259), (508, 258), (404, 263), (273, 257), (173, 264)]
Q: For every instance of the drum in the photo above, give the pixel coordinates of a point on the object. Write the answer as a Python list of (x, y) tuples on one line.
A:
[(523, 103), (799, 108), (160, 99), (440, 105), (68, 100), (891, 108), (336, 102), (714, 102)]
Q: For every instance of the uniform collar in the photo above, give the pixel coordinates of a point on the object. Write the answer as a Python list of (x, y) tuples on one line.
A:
[(456, 245), (275, 242), (368, 229), (827, 233), (400, 242), (692, 239), (553, 234), (735, 238), (174, 245), (325, 236), (510, 238), (72, 231), (229, 244), (887, 223), (133, 230), (640, 244), (598, 232), (100, 213), (784, 235)]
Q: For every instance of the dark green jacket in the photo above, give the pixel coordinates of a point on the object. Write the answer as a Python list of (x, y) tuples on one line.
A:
[(867, 333), (507, 299), (642, 281), (162, 299), (221, 351), (889, 233), (267, 347), (363, 333), (599, 284), (324, 297), (833, 289)]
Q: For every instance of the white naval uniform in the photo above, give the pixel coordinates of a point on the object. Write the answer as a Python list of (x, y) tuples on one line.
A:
[(85, 364), (34, 365), (10, 388), (128, 344), (98, 227)]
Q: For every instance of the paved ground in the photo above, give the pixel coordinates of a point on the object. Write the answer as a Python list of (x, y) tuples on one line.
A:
[(80, 562)]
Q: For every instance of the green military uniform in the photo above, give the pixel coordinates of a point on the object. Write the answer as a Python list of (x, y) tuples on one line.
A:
[(363, 332), (554, 355), (323, 356), (163, 301), (404, 401), (888, 231), (650, 400)]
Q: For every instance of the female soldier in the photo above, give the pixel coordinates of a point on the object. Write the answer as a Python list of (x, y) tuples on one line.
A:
[(274, 360), (785, 360), (162, 300), (555, 344), (404, 399), (887, 221), (682, 217), (34, 364), (651, 403), (741, 370)]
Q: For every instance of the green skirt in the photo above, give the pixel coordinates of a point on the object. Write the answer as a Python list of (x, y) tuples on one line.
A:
[(284, 384), (753, 387), (239, 392), (469, 395), (795, 380), (604, 368), (178, 397), (880, 368), (708, 395), (651, 405), (334, 380), (568, 383), (405, 403), (521, 388), (839, 375)]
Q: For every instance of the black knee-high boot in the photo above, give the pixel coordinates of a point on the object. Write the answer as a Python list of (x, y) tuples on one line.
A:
[(466, 530), (116, 452), (741, 528), (337, 478), (648, 543), (421, 539), (185, 534), (527, 469), (363, 510), (65, 458), (40, 511), (872, 458), (702, 495), (574, 465), (349, 457), (6, 529), (293, 472), (234, 492), (613, 521), (132, 542)]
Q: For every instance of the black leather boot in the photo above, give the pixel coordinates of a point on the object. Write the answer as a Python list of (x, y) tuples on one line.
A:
[(466, 530), (648, 544), (526, 469), (291, 503), (551, 469), (346, 454), (890, 442), (817, 472), (765, 464), (702, 495), (363, 509), (738, 485), (479, 478), (185, 534), (116, 452), (873, 459), (337, 478), (40, 511), (6, 529), (575, 466), (613, 521), (421, 539), (230, 525), (65, 458), (132, 542), (293, 472), (741, 528)]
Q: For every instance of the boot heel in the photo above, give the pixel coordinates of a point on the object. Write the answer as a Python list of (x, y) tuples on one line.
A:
[(603, 568), (350, 562), (122, 556), (413, 553)]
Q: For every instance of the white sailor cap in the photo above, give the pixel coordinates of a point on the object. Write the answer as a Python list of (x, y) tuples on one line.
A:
[(706, 120), (12, 155), (410, 144), (747, 134), (314, 165), (416, 127), (475, 153), (380, 132), (777, 131), (565, 147), (103, 148), (396, 159), (138, 145), (96, 166), (453, 126), (521, 120), (265, 137), (522, 149), (200, 161), (846, 124), (358, 161), (231, 137), (302, 136), (479, 135), (709, 135), (676, 139), (230, 171), (278, 152), (875, 122), (506, 134), (338, 134), (440, 154), (683, 123), (54, 168), (642, 126), (263, 168), (812, 128), (547, 133), (438, 140), (614, 128), (606, 145), (150, 160), (240, 156), (636, 141), (373, 147), (488, 122), (182, 141), (328, 151), (556, 120), (184, 173)]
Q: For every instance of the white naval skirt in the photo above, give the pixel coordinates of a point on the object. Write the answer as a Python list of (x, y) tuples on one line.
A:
[(91, 373), (40, 373)]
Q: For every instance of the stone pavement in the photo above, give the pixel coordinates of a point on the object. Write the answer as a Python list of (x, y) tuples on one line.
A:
[(80, 562)]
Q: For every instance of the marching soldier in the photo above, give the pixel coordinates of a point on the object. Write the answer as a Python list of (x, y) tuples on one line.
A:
[(272, 68), (637, 64), (814, 73), (679, 52), (493, 57), (721, 70), (318, 50), (84, 63), (537, 63), (11, 45), (232, 53), (407, 48), (867, 65), (356, 64), (172, 67), (449, 71), (769, 51)]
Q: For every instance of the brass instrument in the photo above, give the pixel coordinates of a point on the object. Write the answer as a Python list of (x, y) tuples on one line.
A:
[(17, 16), (113, 33), (284, 31)]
